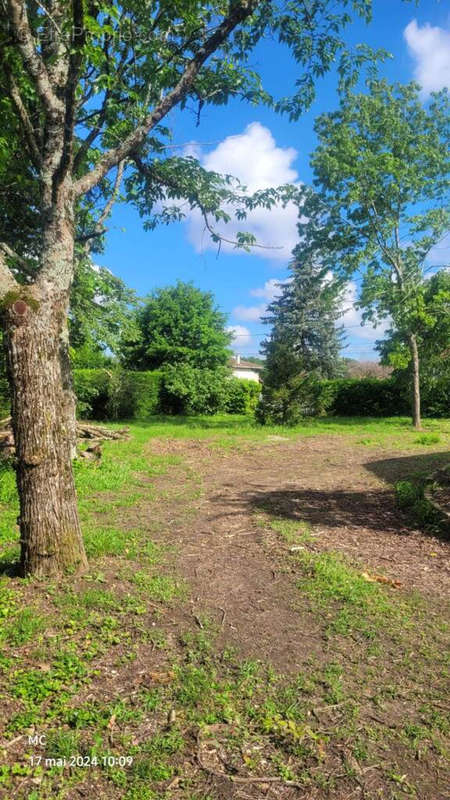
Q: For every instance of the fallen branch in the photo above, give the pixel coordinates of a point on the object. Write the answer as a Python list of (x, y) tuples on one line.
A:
[(85, 432)]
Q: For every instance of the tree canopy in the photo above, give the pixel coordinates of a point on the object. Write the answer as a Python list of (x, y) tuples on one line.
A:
[(101, 312), (380, 202), (178, 325)]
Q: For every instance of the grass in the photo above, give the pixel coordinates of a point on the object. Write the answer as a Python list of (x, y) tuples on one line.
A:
[(353, 602), (228, 430), (114, 664)]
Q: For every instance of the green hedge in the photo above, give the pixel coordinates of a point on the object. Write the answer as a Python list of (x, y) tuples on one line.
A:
[(120, 394), (137, 395), (390, 397), (349, 397), (367, 397)]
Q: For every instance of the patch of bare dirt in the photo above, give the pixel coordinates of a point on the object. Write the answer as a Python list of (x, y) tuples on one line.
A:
[(337, 488)]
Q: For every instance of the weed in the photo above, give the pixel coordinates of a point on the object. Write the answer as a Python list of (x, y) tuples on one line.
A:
[(407, 493)]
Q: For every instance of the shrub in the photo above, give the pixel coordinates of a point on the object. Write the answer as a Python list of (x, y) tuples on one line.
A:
[(368, 397), (4, 396), (92, 389), (303, 396), (436, 396), (135, 395), (241, 396), (191, 390), (407, 493), (411, 498)]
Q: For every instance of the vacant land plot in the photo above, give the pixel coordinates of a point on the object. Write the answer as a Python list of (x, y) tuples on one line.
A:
[(260, 620)]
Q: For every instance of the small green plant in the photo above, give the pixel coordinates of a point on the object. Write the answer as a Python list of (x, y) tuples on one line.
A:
[(410, 496), (62, 743), (428, 439), (407, 493)]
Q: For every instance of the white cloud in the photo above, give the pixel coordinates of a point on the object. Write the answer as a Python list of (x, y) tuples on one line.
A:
[(249, 313), (241, 335), (430, 47), (269, 291), (255, 159)]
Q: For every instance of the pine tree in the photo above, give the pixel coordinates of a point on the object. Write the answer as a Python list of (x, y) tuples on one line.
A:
[(304, 343)]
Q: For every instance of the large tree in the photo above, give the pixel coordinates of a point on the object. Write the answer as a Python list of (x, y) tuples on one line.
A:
[(86, 87), (304, 337), (177, 325), (304, 342), (380, 202)]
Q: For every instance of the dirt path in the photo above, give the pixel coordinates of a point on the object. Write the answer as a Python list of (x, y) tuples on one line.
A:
[(236, 568)]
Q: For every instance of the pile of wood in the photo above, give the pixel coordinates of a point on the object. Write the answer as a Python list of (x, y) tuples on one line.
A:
[(85, 431)]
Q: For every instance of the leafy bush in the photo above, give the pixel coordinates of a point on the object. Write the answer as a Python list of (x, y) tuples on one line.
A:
[(120, 394), (349, 397), (191, 390), (136, 395), (410, 497), (241, 396), (407, 493), (4, 396), (436, 396)]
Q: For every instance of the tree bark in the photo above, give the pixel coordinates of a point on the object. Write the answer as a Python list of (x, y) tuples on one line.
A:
[(43, 423), (416, 412)]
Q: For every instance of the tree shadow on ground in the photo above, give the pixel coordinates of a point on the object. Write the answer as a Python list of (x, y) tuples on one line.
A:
[(9, 567), (372, 509), (420, 465)]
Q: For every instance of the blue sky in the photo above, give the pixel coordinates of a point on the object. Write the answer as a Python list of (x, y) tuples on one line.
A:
[(262, 149)]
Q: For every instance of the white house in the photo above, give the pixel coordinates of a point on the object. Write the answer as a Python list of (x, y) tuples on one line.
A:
[(245, 369)]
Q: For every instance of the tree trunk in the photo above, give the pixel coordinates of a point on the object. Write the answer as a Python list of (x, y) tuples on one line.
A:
[(416, 415), (43, 423)]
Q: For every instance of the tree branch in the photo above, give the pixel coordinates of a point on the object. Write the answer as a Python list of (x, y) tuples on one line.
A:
[(239, 12), (384, 248), (33, 63), (22, 113), (148, 172), (73, 72), (99, 227)]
